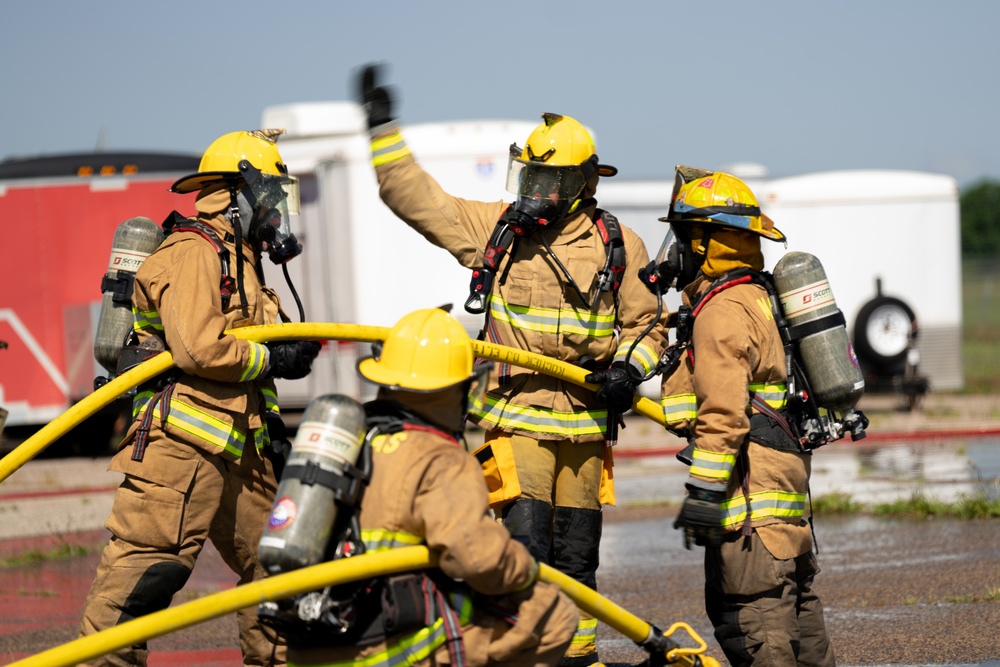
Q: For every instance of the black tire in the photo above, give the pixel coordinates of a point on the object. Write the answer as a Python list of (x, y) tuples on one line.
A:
[(882, 333)]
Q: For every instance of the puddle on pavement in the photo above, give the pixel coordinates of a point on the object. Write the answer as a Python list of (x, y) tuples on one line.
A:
[(946, 469)]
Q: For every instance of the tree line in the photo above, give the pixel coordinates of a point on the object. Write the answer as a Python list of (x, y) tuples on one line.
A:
[(980, 221)]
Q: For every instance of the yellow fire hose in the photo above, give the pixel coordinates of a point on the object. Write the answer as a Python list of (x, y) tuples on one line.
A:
[(326, 574), (661, 646), (89, 405)]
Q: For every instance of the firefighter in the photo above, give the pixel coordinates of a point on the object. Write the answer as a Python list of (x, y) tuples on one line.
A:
[(425, 488), (197, 459), (549, 284), (746, 491)]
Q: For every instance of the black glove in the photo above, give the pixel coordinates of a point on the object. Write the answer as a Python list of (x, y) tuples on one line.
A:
[(375, 100), (291, 360), (617, 387), (280, 446), (701, 516)]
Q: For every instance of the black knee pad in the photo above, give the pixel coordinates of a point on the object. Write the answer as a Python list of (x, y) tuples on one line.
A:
[(576, 543), (529, 521), (154, 590)]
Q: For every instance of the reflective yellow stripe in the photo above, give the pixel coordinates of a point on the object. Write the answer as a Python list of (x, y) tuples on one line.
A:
[(586, 631), (764, 504), (679, 407), (644, 353), (270, 400), (202, 425), (775, 395), (507, 416), (255, 364), (378, 539), (389, 149), (712, 465), (553, 320), (146, 319)]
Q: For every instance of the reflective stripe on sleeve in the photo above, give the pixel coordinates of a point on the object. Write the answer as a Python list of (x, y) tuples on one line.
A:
[(712, 465), (389, 149)]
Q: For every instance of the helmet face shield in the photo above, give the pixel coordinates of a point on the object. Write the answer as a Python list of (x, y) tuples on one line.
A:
[(478, 384), (273, 200), (532, 180), (677, 263)]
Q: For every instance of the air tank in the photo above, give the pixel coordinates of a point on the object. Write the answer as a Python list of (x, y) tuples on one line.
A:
[(818, 327), (306, 505), (135, 239)]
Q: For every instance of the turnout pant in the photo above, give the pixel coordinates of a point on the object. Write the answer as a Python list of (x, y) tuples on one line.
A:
[(167, 506), (764, 610), (558, 517)]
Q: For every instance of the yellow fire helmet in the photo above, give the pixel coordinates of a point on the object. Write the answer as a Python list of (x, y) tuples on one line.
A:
[(222, 158), (559, 158), (426, 350), (718, 198)]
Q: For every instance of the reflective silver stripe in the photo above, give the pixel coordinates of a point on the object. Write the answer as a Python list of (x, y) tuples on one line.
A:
[(712, 465), (679, 407), (202, 425), (644, 353), (764, 504), (507, 416), (586, 631), (389, 149), (552, 320), (270, 400), (775, 395), (255, 364), (146, 319), (382, 540)]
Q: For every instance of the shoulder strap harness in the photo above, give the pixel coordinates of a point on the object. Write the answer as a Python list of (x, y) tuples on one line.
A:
[(178, 223), (506, 234)]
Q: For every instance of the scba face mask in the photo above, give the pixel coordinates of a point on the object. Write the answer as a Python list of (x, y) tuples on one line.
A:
[(266, 205), (545, 193), (678, 261)]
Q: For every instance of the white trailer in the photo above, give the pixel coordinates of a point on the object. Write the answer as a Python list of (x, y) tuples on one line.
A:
[(363, 265), (899, 229), (896, 229)]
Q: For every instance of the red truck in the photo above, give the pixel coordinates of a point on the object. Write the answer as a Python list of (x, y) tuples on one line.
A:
[(59, 215)]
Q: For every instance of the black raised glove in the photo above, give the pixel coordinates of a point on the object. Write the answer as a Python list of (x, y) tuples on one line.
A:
[(701, 516), (375, 100), (617, 387), (291, 361), (280, 446)]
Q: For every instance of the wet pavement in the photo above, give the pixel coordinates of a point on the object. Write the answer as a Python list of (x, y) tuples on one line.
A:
[(906, 592)]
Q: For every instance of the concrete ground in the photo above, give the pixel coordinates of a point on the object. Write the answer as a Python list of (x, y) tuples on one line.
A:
[(939, 605)]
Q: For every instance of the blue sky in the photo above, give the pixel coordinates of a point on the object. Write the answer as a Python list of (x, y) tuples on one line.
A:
[(797, 86)]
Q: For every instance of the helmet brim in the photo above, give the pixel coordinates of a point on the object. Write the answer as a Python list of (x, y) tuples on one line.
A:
[(373, 371), (769, 231), (195, 182)]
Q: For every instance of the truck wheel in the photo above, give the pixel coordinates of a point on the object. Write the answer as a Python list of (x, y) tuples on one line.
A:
[(882, 334)]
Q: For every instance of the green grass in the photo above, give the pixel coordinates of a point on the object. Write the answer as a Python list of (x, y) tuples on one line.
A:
[(33, 556), (981, 324), (916, 506)]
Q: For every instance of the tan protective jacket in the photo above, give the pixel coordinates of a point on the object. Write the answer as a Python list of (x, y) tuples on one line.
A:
[(426, 489), (533, 307), (737, 349), (219, 402)]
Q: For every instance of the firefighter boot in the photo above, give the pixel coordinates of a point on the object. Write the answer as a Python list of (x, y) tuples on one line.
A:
[(576, 541)]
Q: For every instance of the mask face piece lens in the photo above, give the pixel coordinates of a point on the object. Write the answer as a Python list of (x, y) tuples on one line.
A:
[(531, 180), (478, 385)]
